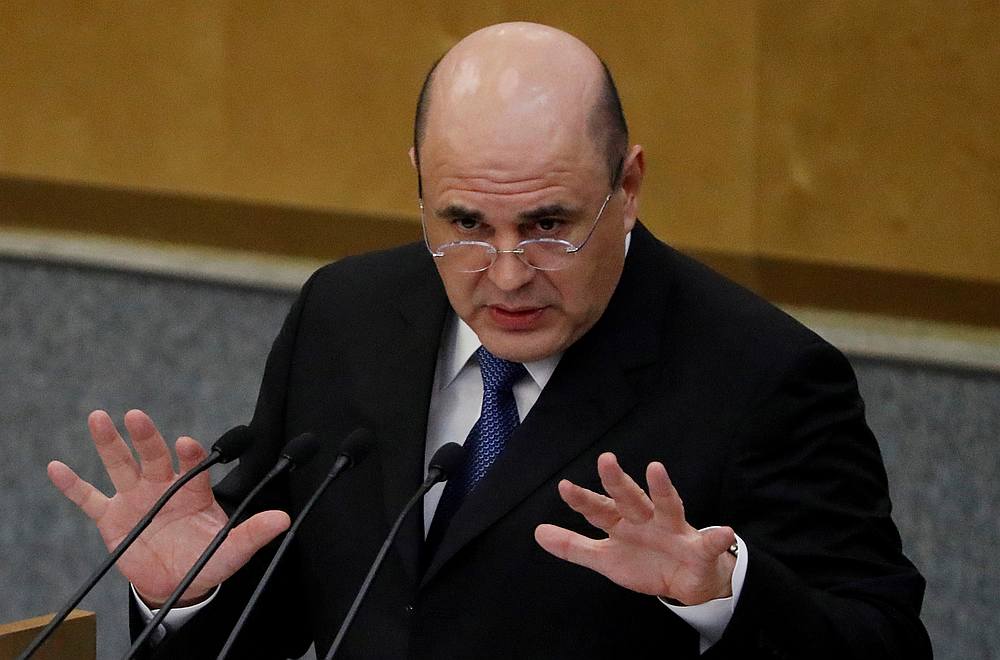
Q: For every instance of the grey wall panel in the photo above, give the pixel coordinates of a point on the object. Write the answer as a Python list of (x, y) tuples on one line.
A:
[(939, 431), (76, 339)]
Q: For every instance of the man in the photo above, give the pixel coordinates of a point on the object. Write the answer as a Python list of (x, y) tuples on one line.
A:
[(542, 316)]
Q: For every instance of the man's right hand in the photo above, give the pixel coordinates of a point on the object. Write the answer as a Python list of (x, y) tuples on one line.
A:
[(167, 549)]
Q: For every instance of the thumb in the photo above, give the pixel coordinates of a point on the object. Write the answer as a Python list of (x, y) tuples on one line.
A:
[(717, 540), (242, 544)]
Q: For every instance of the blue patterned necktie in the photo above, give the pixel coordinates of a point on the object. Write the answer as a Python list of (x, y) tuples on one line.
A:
[(486, 440)]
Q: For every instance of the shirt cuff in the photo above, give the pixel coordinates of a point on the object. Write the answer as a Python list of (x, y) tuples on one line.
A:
[(710, 619), (175, 618)]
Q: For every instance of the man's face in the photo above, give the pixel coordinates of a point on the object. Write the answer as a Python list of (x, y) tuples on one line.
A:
[(504, 195)]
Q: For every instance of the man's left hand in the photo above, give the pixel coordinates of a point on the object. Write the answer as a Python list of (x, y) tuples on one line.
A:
[(650, 547)]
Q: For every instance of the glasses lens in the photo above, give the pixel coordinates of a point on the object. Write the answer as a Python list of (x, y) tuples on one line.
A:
[(466, 257), (547, 253)]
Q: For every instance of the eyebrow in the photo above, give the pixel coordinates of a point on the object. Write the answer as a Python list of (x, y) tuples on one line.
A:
[(548, 211), (457, 211)]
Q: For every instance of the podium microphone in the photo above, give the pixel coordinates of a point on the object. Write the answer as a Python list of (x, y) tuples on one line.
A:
[(227, 448), (354, 449), (299, 450), (445, 461)]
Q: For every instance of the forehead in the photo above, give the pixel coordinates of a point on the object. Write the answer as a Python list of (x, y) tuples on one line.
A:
[(486, 161), (500, 128)]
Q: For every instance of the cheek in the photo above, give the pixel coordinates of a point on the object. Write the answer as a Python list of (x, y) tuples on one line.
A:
[(465, 291), (586, 294), (576, 292)]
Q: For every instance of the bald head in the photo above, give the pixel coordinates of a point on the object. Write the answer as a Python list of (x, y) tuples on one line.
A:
[(522, 84)]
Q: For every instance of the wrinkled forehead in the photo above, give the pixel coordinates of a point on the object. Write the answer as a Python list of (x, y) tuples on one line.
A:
[(511, 103), (488, 119)]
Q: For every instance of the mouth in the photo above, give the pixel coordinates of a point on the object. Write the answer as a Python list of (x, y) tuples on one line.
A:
[(517, 319)]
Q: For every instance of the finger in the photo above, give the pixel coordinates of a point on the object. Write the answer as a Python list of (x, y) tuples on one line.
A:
[(569, 546), (717, 540), (631, 500), (599, 511), (243, 542), (114, 453), (153, 452), (189, 454), (667, 501), (90, 500)]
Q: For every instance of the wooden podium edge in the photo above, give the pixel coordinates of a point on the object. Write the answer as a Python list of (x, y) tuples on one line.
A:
[(75, 639)]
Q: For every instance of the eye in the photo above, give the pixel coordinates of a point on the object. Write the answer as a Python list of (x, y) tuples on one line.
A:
[(466, 223), (550, 227), (547, 224)]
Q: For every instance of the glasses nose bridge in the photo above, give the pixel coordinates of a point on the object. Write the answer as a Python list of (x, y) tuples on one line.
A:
[(512, 274), (517, 251)]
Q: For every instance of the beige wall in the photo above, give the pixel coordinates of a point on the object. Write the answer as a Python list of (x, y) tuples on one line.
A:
[(852, 133), (879, 134)]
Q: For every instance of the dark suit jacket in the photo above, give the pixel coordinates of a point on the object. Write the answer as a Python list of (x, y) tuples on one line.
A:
[(758, 421)]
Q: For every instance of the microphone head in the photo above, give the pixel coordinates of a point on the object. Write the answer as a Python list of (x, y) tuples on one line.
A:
[(357, 445), (447, 459), (301, 448), (233, 443)]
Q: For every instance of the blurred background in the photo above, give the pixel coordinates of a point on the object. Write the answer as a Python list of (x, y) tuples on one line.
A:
[(171, 171)]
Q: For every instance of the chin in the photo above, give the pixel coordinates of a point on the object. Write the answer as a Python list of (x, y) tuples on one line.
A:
[(521, 347)]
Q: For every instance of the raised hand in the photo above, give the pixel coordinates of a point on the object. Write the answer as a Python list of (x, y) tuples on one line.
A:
[(650, 547), (166, 550)]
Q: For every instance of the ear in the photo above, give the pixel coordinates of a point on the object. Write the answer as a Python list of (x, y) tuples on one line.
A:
[(632, 173), (413, 157)]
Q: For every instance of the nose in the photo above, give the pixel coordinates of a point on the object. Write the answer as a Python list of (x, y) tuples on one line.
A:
[(509, 273)]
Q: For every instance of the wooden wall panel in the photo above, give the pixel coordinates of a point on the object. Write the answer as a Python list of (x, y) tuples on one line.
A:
[(310, 103), (879, 135), (849, 133), (123, 93)]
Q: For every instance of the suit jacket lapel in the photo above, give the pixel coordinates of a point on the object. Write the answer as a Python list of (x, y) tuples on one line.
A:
[(593, 387), (401, 377)]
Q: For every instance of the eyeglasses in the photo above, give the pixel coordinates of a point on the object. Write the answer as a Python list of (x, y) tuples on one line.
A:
[(540, 253)]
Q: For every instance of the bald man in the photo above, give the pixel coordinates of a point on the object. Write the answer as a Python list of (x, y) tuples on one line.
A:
[(770, 538)]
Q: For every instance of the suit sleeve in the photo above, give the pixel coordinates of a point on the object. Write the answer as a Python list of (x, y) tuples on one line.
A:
[(807, 491)]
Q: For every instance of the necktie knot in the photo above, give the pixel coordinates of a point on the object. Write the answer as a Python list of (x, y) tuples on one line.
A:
[(499, 375)]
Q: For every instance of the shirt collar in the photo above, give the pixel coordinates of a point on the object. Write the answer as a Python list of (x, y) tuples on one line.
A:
[(460, 343)]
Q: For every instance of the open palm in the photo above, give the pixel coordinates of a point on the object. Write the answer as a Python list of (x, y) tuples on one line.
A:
[(170, 545), (650, 547)]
